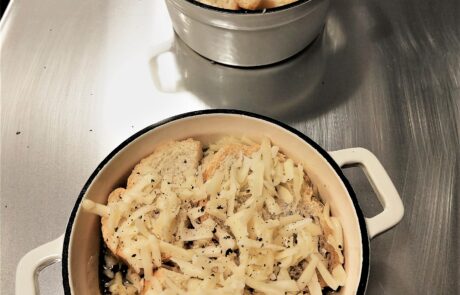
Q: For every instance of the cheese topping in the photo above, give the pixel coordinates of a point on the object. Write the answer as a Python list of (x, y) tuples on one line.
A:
[(255, 224)]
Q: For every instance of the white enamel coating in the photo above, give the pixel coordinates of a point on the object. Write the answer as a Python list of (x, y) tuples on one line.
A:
[(393, 209), (33, 262)]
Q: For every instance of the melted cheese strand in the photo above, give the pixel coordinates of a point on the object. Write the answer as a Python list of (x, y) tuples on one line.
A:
[(327, 276), (313, 286), (308, 272), (95, 208)]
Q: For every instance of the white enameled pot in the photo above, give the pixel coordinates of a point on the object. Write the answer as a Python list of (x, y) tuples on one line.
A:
[(79, 247), (247, 38)]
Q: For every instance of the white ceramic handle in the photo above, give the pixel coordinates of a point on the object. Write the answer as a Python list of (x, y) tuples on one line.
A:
[(393, 209), (33, 262)]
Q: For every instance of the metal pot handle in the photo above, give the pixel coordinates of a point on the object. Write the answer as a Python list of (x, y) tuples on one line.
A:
[(393, 209), (33, 262)]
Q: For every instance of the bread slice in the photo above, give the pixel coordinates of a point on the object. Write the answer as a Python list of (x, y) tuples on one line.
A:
[(173, 162), (249, 4), (226, 4)]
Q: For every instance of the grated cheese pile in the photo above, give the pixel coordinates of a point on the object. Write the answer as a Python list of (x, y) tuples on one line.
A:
[(252, 224)]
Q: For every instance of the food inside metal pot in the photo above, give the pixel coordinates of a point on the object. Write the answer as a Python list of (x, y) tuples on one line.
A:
[(246, 4), (234, 217)]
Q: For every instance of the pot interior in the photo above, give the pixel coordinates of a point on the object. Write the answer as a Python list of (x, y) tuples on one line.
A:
[(83, 248)]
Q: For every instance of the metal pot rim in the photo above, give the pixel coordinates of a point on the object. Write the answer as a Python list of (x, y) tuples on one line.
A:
[(363, 279)]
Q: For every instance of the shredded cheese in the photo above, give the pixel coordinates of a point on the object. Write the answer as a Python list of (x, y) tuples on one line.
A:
[(249, 225)]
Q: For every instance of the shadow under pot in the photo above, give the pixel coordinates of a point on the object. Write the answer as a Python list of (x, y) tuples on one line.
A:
[(278, 90)]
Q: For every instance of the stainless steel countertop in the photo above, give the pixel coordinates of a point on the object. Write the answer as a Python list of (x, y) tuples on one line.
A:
[(78, 77)]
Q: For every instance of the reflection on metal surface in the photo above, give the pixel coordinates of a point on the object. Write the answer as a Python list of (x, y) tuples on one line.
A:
[(280, 89), (335, 33), (167, 64), (304, 86), (78, 77), (165, 73)]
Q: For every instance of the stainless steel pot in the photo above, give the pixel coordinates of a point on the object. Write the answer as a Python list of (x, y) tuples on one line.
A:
[(79, 247), (247, 38)]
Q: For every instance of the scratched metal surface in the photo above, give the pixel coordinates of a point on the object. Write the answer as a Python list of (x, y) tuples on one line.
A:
[(78, 77)]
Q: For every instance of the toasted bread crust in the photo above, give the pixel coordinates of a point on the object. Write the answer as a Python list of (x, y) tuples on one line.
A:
[(274, 3), (248, 4), (226, 4), (229, 150)]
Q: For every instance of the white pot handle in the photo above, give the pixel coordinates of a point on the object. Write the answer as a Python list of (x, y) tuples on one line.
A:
[(393, 209), (33, 262)]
